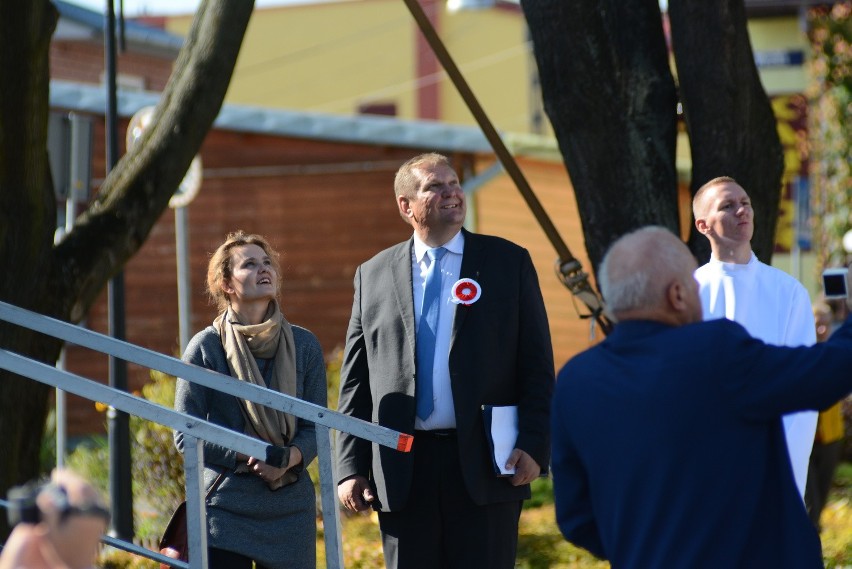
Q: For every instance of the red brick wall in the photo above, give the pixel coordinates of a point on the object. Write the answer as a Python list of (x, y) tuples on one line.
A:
[(323, 224), (84, 62)]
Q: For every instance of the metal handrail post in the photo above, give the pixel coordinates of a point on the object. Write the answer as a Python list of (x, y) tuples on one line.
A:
[(330, 512), (196, 508)]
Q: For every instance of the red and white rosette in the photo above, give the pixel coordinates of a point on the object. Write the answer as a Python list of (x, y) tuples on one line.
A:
[(466, 291)]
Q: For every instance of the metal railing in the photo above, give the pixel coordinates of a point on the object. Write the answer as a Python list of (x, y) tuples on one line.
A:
[(193, 428)]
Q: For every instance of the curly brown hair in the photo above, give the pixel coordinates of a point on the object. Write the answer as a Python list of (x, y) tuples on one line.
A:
[(219, 268)]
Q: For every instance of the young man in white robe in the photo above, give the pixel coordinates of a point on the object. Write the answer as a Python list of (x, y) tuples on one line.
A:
[(770, 304)]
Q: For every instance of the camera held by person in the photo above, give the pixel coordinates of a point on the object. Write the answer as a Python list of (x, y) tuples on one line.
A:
[(58, 524)]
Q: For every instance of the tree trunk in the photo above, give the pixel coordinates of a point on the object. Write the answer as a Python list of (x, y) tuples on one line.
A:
[(732, 128), (610, 97), (27, 223), (63, 281)]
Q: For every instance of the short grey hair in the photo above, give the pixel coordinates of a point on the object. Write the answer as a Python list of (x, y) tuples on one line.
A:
[(625, 293), (638, 267), (406, 181)]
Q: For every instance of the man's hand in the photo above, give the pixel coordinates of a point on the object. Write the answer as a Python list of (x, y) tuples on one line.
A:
[(526, 469), (355, 494)]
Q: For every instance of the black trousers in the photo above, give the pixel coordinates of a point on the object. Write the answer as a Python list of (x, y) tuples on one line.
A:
[(441, 527), (823, 462), (223, 559)]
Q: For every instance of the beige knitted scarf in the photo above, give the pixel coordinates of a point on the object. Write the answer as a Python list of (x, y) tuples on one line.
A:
[(272, 338)]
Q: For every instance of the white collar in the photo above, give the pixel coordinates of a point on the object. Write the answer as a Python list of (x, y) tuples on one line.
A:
[(454, 245), (727, 267)]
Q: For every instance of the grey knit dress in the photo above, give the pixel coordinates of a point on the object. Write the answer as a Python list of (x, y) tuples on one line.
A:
[(276, 529)]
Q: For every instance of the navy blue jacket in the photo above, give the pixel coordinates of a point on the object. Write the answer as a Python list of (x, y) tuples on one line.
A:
[(668, 447)]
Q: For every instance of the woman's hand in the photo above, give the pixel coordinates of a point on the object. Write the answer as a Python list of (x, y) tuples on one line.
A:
[(266, 472), (270, 473), (295, 457)]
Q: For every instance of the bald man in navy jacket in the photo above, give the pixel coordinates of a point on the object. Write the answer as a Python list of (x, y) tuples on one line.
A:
[(668, 445)]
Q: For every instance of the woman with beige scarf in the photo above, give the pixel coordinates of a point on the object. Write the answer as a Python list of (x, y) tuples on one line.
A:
[(258, 512)]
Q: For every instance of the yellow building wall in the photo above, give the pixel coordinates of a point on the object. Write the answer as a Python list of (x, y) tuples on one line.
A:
[(492, 51), (780, 34), (327, 58), (334, 57)]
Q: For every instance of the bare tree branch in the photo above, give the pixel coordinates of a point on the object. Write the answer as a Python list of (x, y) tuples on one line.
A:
[(137, 191)]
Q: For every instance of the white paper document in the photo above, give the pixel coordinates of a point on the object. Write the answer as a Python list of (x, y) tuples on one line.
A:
[(502, 423)]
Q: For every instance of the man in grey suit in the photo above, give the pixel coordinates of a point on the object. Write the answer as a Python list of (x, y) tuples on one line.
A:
[(484, 341)]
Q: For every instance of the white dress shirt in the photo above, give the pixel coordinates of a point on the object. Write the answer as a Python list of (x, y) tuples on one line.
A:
[(444, 414)]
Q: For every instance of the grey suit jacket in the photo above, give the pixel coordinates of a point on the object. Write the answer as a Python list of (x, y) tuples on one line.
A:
[(500, 354)]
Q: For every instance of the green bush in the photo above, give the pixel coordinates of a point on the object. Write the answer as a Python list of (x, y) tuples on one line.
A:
[(156, 469), (90, 459), (542, 493), (47, 452), (157, 465)]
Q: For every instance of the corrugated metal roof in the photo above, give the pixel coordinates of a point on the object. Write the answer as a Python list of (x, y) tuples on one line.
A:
[(135, 33), (362, 129)]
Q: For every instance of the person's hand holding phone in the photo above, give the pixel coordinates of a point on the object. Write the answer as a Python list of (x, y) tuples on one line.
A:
[(836, 284)]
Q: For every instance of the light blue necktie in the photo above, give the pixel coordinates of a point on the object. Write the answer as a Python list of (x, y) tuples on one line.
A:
[(427, 332)]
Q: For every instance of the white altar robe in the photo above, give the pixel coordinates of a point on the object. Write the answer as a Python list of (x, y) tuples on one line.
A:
[(774, 307)]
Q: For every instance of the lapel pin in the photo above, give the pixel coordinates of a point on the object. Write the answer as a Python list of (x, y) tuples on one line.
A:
[(466, 291)]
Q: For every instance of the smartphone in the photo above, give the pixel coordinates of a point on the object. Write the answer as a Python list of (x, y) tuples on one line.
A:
[(834, 283)]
